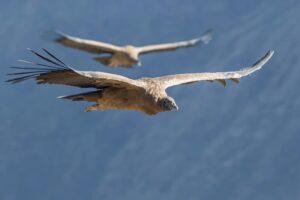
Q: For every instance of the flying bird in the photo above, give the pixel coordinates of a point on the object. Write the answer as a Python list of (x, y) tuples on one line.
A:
[(124, 56), (112, 91)]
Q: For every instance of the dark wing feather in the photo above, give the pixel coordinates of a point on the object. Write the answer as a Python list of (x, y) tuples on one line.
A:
[(54, 57), (204, 39), (172, 80), (86, 96), (63, 74), (47, 59), (85, 45)]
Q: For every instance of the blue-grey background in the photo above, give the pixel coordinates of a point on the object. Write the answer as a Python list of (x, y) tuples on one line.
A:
[(239, 142)]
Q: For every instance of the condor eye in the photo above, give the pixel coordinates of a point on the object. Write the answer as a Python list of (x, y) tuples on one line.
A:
[(165, 101)]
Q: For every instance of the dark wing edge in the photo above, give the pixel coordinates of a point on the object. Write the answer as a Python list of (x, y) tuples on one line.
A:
[(177, 79), (205, 38), (57, 72), (54, 65), (91, 46)]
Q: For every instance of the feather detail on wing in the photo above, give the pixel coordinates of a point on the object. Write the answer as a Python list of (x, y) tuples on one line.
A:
[(172, 80), (57, 72), (91, 46), (86, 96), (204, 39)]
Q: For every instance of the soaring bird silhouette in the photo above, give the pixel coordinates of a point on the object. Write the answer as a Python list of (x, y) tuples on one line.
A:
[(124, 56), (113, 91)]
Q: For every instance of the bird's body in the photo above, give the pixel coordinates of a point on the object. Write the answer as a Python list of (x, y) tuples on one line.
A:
[(124, 56), (145, 99), (112, 91), (122, 99)]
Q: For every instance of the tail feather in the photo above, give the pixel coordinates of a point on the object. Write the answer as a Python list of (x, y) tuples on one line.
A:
[(104, 60), (110, 62), (93, 96)]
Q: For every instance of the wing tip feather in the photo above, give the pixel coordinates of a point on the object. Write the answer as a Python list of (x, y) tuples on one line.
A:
[(262, 61), (36, 72), (205, 38)]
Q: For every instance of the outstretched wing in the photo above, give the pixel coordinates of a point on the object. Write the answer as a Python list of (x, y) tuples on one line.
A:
[(172, 80), (57, 72), (85, 45), (204, 39)]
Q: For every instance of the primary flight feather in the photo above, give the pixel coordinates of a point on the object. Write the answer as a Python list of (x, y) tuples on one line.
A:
[(124, 56), (112, 91)]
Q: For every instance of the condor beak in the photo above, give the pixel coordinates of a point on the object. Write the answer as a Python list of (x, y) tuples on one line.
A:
[(176, 107)]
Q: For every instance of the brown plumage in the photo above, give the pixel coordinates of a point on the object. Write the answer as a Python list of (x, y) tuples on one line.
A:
[(112, 91), (125, 56)]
